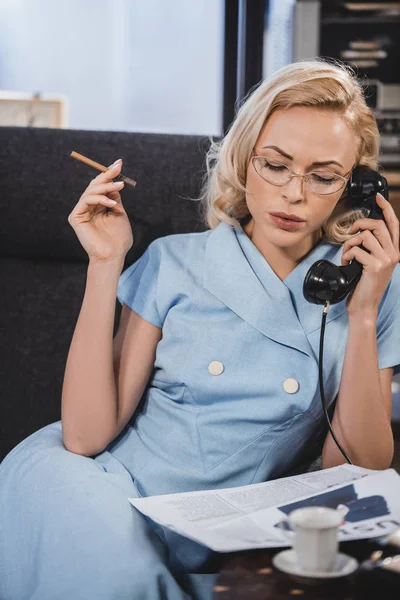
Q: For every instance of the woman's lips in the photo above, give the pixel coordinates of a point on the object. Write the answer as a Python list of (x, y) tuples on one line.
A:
[(285, 223)]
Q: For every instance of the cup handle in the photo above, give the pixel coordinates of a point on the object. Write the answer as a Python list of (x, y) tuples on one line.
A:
[(343, 510), (287, 533)]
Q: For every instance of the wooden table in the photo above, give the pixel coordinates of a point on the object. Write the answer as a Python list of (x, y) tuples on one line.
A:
[(250, 575)]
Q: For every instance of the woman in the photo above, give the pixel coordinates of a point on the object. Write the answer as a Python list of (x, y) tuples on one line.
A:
[(216, 324)]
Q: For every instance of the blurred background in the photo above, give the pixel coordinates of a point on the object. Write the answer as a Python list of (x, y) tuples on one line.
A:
[(172, 66), (181, 67)]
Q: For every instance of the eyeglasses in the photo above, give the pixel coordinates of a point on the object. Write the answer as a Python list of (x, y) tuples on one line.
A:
[(321, 183)]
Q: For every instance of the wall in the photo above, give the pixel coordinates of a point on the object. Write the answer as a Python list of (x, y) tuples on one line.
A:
[(134, 65)]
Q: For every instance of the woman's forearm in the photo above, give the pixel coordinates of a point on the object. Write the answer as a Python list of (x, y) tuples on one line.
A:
[(89, 405), (362, 420)]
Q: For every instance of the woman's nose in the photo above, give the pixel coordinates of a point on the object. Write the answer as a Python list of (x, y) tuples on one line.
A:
[(294, 190)]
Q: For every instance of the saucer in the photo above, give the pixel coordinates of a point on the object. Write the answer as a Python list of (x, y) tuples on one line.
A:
[(286, 561)]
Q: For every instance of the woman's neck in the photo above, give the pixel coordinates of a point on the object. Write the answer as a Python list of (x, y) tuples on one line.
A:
[(281, 260)]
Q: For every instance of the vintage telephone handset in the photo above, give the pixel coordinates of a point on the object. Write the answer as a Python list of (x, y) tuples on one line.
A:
[(327, 283)]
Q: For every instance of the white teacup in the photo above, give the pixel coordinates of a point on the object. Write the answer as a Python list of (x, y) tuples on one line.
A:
[(314, 536)]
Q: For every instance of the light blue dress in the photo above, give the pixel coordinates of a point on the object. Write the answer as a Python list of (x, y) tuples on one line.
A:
[(233, 400)]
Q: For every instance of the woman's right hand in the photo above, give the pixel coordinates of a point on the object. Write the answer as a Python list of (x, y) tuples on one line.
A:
[(106, 236)]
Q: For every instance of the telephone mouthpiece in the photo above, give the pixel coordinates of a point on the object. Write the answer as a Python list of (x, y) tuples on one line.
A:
[(325, 282)]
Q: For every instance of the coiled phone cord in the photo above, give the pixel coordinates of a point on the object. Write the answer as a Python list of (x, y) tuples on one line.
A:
[(321, 383)]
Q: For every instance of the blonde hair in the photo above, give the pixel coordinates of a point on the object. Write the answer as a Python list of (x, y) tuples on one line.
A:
[(316, 83)]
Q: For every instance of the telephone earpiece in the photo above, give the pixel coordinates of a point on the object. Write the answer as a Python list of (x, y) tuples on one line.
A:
[(326, 281)]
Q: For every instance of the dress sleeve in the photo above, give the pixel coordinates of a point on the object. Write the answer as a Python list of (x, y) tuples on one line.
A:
[(138, 285), (388, 325)]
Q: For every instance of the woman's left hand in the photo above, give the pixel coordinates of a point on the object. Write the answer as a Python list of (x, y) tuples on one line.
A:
[(381, 238)]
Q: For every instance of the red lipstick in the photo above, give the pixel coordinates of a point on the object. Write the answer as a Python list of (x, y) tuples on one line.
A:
[(286, 223), (287, 216)]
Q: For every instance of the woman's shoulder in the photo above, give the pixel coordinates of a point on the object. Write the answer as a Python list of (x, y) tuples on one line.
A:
[(183, 239), (181, 247)]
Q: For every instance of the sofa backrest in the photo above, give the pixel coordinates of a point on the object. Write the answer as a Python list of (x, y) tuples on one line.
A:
[(41, 183)]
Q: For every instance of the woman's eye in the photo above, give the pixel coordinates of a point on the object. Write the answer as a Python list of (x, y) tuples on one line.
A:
[(272, 167), (320, 179)]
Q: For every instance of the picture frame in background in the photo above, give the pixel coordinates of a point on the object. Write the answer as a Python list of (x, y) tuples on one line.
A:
[(32, 110)]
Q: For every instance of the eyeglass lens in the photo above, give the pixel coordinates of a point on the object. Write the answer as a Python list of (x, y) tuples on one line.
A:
[(320, 182)]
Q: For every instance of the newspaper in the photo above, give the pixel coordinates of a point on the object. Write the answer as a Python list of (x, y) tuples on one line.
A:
[(246, 517)]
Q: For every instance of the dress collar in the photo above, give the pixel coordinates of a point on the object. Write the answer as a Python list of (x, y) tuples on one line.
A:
[(238, 275)]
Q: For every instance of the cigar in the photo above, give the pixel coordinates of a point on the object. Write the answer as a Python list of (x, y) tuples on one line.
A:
[(100, 167)]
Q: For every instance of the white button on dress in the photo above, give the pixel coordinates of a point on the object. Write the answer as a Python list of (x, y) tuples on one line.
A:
[(291, 385), (215, 367)]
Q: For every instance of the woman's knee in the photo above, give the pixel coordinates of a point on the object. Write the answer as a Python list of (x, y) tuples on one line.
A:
[(42, 440), (41, 469), (46, 443)]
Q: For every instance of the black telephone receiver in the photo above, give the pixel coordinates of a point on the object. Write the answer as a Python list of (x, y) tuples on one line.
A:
[(328, 282)]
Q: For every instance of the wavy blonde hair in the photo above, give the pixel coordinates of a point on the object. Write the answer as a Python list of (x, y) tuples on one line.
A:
[(316, 83)]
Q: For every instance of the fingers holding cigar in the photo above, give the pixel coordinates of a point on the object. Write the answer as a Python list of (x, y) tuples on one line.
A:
[(103, 169), (104, 184), (99, 218), (109, 174), (111, 189)]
